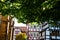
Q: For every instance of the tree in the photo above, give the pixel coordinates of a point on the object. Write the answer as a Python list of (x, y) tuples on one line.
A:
[(32, 10), (21, 36)]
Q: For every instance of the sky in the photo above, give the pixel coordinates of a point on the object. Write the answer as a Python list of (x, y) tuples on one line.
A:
[(18, 24)]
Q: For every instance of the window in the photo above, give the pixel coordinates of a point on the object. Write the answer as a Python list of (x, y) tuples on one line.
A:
[(31, 35), (37, 34), (55, 33), (41, 34), (34, 35), (47, 32)]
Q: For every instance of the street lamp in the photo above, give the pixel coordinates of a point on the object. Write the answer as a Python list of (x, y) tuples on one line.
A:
[(43, 8)]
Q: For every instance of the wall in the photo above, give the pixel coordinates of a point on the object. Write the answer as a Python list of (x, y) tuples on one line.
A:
[(3, 27)]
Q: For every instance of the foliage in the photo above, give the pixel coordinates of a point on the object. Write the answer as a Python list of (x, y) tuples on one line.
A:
[(32, 10), (21, 36)]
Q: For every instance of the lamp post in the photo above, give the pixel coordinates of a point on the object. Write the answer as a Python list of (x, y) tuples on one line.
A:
[(7, 28), (12, 29), (10, 25)]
